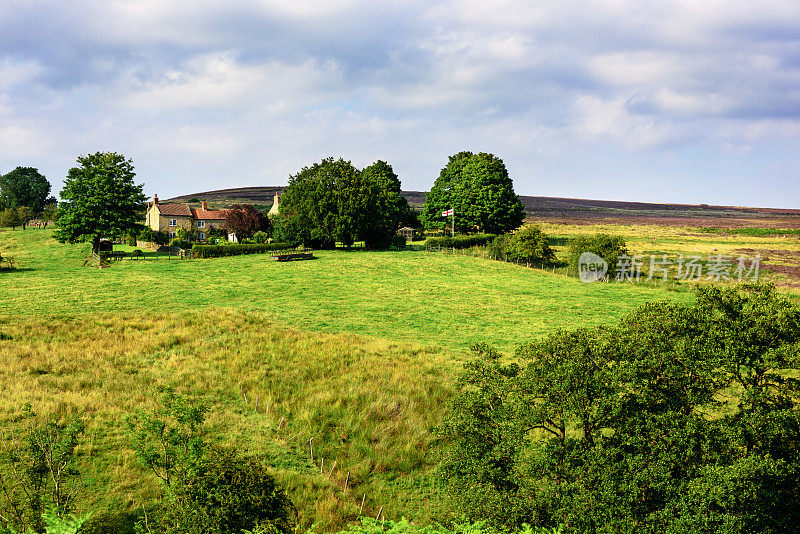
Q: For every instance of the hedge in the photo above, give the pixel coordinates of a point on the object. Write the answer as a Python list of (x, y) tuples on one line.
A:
[(460, 241), (218, 251)]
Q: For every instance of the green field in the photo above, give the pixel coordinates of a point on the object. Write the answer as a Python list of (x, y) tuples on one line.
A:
[(356, 349), (433, 299)]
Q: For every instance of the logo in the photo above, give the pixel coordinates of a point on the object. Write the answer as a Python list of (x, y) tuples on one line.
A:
[(591, 267)]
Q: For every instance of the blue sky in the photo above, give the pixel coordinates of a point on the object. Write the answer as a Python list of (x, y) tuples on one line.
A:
[(672, 101)]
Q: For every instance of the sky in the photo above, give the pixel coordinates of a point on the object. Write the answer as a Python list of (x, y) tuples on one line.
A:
[(690, 101)]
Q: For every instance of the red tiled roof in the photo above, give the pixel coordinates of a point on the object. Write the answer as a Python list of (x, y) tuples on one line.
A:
[(205, 215), (176, 210)]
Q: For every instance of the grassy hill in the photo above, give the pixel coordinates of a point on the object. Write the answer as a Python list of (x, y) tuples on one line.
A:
[(355, 349)]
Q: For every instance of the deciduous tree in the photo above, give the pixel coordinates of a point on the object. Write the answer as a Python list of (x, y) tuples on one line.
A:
[(245, 221), (480, 191), (99, 198), (25, 186), (385, 209), (333, 201), (679, 419)]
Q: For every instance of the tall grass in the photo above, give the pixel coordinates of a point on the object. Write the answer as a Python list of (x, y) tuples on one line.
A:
[(368, 404)]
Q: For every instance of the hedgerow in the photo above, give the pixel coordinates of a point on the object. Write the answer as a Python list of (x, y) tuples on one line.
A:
[(218, 251), (460, 241)]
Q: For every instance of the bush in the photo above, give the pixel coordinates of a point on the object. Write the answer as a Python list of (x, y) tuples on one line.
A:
[(498, 247), (151, 236), (185, 234), (530, 245), (399, 242), (130, 240), (180, 243), (218, 251), (607, 247), (460, 241), (261, 237), (39, 471), (224, 492), (681, 418)]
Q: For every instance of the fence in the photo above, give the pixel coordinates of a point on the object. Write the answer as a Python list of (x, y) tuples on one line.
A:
[(170, 253), (481, 252)]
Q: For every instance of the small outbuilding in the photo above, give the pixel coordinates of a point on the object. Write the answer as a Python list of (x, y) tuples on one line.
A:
[(406, 232)]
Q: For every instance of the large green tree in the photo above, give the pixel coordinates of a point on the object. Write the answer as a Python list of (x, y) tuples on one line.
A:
[(333, 201), (99, 199), (679, 419), (479, 190), (386, 209), (25, 186)]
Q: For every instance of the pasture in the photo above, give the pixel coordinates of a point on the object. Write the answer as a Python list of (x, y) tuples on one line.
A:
[(431, 299), (355, 349)]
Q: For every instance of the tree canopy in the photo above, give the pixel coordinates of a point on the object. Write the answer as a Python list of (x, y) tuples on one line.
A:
[(245, 221), (386, 209), (479, 190), (679, 419), (99, 198), (333, 201), (25, 186)]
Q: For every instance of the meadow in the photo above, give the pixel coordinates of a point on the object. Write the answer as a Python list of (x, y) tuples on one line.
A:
[(431, 299), (358, 350)]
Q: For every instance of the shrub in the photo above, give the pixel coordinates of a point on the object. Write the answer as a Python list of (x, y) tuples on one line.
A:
[(224, 492), (218, 251), (150, 235), (39, 471), (498, 247), (399, 242), (460, 241), (216, 232), (211, 489), (681, 418), (530, 245), (261, 237), (185, 234), (607, 247), (180, 243), (130, 240)]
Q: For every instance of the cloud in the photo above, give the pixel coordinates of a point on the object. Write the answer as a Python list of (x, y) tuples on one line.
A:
[(258, 88)]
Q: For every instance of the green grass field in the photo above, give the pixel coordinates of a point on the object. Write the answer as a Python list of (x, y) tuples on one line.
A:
[(357, 349), (435, 299)]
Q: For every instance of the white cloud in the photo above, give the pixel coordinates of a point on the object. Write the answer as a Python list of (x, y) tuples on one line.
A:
[(13, 73), (262, 87), (220, 82), (611, 121)]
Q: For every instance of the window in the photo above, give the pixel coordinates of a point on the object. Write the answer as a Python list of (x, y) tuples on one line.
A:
[(201, 224), (172, 235), (201, 236), (173, 222)]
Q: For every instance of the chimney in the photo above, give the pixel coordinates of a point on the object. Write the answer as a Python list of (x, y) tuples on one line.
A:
[(205, 206), (155, 200), (277, 197)]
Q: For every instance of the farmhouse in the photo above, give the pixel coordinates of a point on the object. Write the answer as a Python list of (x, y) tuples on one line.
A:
[(169, 217)]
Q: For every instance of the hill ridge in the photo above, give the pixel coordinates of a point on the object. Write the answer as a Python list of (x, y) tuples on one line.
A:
[(562, 208)]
